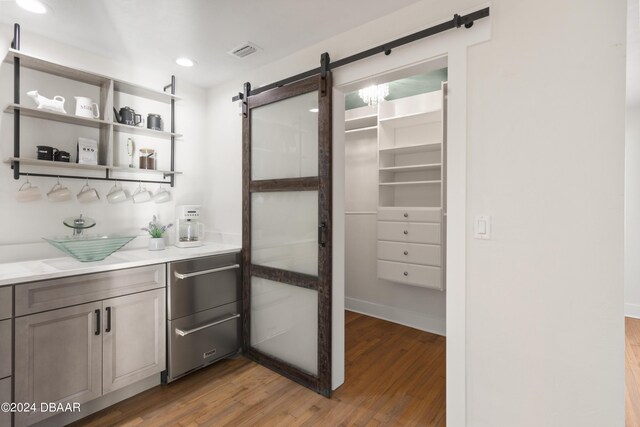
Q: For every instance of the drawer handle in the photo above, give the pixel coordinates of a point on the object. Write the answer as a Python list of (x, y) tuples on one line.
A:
[(200, 273), (406, 231), (406, 252), (406, 215), (183, 333), (406, 273)]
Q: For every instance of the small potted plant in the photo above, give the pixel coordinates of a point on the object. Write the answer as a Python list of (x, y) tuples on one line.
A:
[(156, 231)]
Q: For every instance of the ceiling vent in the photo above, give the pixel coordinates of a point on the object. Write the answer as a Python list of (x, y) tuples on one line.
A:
[(244, 50)]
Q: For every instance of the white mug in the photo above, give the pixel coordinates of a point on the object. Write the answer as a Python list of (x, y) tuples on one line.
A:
[(88, 194), (162, 195), (85, 107), (117, 194), (141, 195), (30, 193), (59, 193)]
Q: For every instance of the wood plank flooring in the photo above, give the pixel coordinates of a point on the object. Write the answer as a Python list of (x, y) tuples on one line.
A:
[(632, 371), (395, 375)]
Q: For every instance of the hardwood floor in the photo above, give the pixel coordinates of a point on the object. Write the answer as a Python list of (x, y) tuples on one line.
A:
[(632, 371), (395, 375)]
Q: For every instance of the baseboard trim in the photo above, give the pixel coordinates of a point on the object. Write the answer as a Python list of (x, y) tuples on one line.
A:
[(632, 310), (412, 319)]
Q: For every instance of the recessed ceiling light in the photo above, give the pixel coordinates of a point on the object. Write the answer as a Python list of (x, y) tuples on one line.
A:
[(33, 6), (185, 62), (313, 110)]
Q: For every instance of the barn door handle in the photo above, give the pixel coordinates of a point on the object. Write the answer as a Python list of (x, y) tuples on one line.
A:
[(322, 234)]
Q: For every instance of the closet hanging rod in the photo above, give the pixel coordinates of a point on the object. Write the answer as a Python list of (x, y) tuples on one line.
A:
[(456, 22)]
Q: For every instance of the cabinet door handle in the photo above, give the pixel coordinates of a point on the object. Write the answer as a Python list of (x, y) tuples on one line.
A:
[(406, 252), (406, 215), (98, 325), (406, 231), (406, 273), (200, 273), (108, 328), (322, 234)]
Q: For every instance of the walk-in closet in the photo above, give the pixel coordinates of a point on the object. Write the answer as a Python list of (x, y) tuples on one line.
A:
[(395, 198)]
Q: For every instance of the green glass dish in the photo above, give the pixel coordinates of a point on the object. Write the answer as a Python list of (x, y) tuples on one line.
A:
[(87, 248)]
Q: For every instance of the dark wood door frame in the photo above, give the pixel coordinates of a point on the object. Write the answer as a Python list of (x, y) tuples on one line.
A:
[(322, 183)]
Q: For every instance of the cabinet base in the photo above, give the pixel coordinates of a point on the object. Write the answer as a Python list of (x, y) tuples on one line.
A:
[(101, 403)]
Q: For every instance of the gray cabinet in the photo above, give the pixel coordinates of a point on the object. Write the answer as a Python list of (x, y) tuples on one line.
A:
[(58, 358), (5, 396), (134, 338), (79, 353)]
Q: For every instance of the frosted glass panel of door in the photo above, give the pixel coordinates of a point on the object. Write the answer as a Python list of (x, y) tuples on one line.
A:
[(284, 323), (284, 138), (284, 230)]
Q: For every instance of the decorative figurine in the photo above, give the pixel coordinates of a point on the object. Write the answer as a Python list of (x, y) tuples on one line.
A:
[(56, 104)]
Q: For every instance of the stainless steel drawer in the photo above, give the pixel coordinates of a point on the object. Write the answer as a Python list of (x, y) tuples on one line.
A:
[(203, 283), (6, 302), (5, 396), (409, 232), (57, 293), (412, 253), (410, 214), (198, 340), (5, 348), (411, 274)]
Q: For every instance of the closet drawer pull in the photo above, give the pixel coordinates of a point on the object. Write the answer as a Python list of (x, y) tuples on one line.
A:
[(406, 273), (406, 252), (406, 231), (406, 215)]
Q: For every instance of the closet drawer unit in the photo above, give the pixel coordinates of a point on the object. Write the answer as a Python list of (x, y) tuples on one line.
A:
[(5, 348), (410, 215), (6, 303), (411, 274), (412, 253), (57, 293), (409, 232)]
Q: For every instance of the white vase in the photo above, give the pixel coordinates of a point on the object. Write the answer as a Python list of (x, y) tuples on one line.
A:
[(156, 243)]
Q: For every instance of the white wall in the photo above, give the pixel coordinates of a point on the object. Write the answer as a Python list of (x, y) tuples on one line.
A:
[(545, 159), (26, 223), (632, 166)]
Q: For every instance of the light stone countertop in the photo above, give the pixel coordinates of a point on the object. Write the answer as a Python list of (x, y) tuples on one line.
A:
[(28, 271)]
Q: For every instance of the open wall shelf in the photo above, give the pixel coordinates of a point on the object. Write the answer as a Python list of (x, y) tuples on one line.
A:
[(111, 135)]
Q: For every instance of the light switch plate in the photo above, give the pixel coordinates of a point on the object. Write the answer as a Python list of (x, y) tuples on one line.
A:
[(482, 227)]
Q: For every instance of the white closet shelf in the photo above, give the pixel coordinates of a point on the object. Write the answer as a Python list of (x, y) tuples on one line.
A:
[(368, 128), (411, 149), (412, 168), (412, 119), (361, 122), (410, 183), (56, 117)]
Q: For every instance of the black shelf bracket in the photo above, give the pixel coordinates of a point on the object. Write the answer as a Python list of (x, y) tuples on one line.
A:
[(15, 44)]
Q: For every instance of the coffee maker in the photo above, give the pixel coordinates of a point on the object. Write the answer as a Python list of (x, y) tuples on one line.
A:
[(189, 231)]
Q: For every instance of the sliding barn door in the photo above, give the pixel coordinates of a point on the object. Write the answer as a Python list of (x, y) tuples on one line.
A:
[(287, 231)]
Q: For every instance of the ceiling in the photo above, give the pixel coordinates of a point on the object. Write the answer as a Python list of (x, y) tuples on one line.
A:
[(155, 32)]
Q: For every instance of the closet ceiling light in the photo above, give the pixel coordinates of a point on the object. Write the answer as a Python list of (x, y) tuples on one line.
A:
[(185, 62), (33, 6), (373, 95)]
